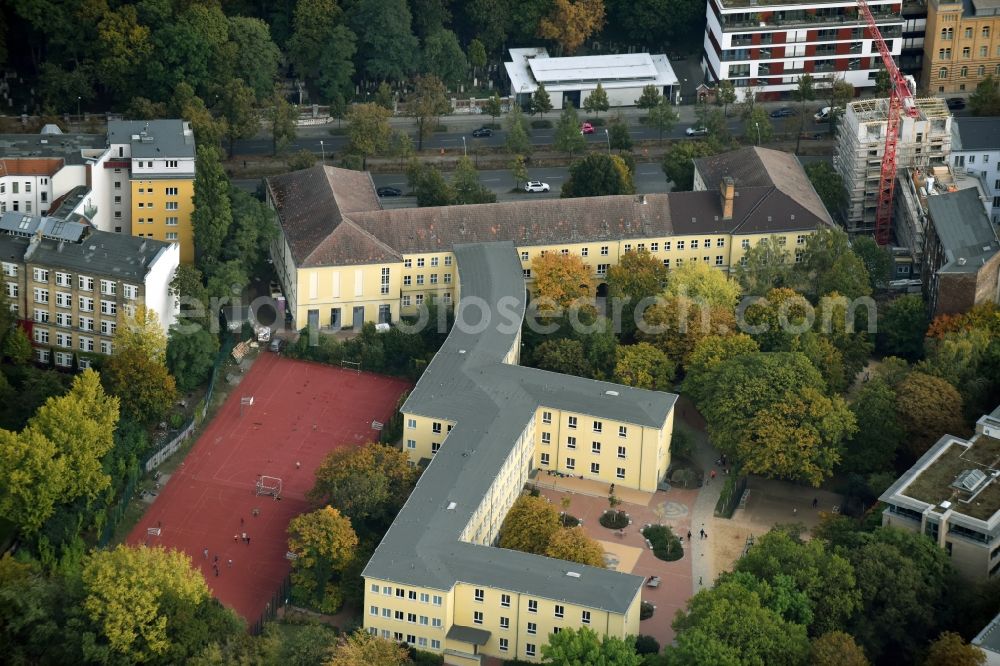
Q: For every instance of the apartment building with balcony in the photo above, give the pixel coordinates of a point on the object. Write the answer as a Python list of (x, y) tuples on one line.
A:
[(961, 45), (72, 285), (952, 495), (138, 179), (924, 142), (766, 45)]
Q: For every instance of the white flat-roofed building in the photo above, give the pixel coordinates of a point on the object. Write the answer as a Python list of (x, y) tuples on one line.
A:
[(768, 44), (572, 79)]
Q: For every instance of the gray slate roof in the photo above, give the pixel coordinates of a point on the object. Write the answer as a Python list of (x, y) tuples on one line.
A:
[(989, 638), (966, 233), (491, 403), (981, 133), (65, 146), (163, 138), (99, 253)]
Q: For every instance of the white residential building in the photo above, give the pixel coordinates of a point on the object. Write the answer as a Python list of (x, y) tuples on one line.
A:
[(767, 45), (975, 149)]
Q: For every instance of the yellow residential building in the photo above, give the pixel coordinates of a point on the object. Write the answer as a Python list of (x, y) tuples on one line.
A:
[(156, 200), (961, 46)]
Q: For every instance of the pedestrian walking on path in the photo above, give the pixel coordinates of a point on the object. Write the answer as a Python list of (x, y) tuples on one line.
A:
[(205, 553), (230, 563)]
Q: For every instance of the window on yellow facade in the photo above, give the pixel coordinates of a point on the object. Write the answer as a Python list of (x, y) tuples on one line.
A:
[(504, 645), (968, 33), (571, 463), (964, 72), (595, 468), (585, 617), (505, 600)]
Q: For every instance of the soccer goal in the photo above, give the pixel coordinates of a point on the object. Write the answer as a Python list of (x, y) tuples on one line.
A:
[(246, 402), (269, 485), (351, 365)]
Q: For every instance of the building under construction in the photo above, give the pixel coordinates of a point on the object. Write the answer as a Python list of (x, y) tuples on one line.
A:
[(924, 142)]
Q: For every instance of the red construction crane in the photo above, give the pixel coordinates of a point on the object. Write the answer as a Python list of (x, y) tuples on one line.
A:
[(900, 100)]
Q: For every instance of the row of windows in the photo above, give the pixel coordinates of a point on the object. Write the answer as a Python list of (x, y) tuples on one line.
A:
[(418, 299), (558, 610), (949, 33), (433, 278), (419, 641), (148, 164), (595, 467), (171, 221), (84, 283), (639, 247), (170, 191), (15, 206), (964, 72), (403, 593), (412, 618), (408, 263), (170, 205), (62, 359), (595, 447), (15, 187), (65, 300), (65, 340)]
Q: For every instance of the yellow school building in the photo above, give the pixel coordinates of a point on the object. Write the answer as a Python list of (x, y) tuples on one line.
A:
[(483, 424)]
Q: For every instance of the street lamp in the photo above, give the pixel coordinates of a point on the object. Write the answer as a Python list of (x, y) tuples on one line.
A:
[(322, 151), (757, 125), (78, 106), (608, 137), (465, 148)]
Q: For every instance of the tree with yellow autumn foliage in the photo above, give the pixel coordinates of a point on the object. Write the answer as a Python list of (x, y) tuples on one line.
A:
[(571, 22), (562, 280), (324, 544)]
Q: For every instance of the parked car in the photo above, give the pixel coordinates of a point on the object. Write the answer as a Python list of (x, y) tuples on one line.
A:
[(783, 112), (696, 131), (955, 103), (389, 192), (481, 132), (823, 115), (586, 128), (536, 186)]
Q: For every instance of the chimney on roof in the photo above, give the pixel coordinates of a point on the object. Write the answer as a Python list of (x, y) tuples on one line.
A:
[(727, 192)]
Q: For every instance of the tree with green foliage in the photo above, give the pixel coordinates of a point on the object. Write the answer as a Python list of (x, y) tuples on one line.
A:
[(725, 94), (324, 544), (703, 284), (368, 484), (493, 107), (618, 135), (428, 185), (583, 647), (778, 319), (728, 624), (313, 24), (477, 58), (237, 108), (518, 170), (184, 103), (364, 649), (985, 101), (443, 58), (675, 324), (563, 355), (335, 70), (644, 366), (743, 386), (901, 328), (877, 260), (678, 162), (649, 97), (638, 277), (281, 117), (213, 213), (568, 137), (368, 132), (949, 649), (36, 478), (663, 118), (768, 265), (929, 408), (29, 612), (597, 100), (828, 185), (837, 94), (708, 353), (573, 545), (518, 139), (803, 93), (598, 174), (387, 48), (255, 56), (826, 578), (466, 185), (828, 265), (190, 357), (426, 105), (757, 126), (17, 346), (880, 434), (136, 371), (385, 96), (540, 101), (529, 525), (837, 648), (134, 599)]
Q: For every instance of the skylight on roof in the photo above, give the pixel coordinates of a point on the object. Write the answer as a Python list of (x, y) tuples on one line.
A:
[(452, 505)]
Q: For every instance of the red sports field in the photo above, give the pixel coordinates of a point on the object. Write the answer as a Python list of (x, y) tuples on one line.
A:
[(301, 412)]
